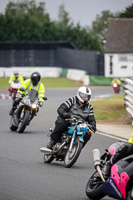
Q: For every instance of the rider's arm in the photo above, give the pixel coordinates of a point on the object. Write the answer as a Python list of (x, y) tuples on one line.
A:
[(11, 79), (91, 118), (65, 107), (119, 82), (20, 78), (41, 92), (112, 82), (24, 85)]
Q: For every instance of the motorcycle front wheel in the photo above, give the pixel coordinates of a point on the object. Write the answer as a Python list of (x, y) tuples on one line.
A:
[(48, 158), (23, 123), (94, 187), (130, 194), (12, 127), (71, 157)]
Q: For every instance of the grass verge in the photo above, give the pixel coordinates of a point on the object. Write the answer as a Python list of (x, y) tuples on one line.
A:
[(48, 82), (111, 110)]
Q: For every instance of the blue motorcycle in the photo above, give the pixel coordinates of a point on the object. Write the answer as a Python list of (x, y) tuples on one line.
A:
[(69, 147)]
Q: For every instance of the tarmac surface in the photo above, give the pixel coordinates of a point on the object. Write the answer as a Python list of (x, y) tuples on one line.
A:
[(122, 131)]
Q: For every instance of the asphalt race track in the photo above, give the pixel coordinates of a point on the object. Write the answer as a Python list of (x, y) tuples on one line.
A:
[(23, 175)]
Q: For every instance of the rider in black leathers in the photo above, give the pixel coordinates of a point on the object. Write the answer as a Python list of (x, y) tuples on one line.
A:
[(78, 107)]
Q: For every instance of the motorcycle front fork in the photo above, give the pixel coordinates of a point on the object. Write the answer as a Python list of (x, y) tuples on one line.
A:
[(72, 141)]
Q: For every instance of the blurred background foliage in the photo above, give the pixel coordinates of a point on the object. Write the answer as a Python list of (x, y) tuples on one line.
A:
[(27, 21)]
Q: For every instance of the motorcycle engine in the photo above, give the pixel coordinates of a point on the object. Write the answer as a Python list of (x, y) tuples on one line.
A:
[(56, 147)]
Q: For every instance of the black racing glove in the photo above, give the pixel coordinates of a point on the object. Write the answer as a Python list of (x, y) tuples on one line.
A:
[(67, 115), (22, 89)]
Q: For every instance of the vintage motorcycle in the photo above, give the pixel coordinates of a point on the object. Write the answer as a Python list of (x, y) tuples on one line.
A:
[(120, 183), (27, 109), (69, 147), (14, 88)]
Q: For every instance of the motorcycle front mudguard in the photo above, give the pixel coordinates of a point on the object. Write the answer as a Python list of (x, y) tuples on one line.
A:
[(16, 116)]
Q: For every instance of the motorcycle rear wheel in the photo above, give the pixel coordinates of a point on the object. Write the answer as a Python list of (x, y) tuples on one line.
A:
[(94, 187), (71, 157), (48, 158), (24, 122)]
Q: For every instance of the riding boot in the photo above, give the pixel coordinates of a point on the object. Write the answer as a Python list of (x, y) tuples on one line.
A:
[(51, 144)]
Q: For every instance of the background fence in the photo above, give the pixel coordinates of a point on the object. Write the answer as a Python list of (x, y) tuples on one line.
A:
[(128, 90), (59, 54)]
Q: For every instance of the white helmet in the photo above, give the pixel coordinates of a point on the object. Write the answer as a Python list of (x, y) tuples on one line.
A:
[(16, 73), (82, 93)]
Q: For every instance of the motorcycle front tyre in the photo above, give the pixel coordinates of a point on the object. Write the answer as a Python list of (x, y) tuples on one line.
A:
[(93, 189), (71, 158), (130, 194), (14, 95), (12, 127), (23, 124), (48, 158)]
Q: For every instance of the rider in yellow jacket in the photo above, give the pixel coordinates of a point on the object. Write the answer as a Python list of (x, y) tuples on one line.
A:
[(116, 80), (14, 77), (32, 83)]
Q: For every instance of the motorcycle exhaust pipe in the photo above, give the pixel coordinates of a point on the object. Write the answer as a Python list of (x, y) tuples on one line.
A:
[(96, 157), (45, 150)]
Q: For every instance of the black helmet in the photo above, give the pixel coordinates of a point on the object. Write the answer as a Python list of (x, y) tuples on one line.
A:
[(35, 78)]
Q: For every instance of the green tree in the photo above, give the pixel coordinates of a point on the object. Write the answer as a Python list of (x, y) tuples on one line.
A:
[(24, 21), (63, 16), (27, 7), (99, 25), (23, 28), (128, 13)]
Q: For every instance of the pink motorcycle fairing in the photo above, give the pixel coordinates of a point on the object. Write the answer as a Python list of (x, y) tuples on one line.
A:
[(120, 180)]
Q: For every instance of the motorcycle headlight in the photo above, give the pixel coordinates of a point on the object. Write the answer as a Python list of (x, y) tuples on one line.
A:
[(34, 105), (115, 85)]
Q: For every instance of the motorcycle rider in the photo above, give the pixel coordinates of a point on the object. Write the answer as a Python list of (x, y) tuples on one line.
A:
[(125, 150), (16, 76), (78, 107), (118, 82), (32, 83)]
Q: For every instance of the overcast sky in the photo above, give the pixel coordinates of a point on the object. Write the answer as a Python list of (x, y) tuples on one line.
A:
[(82, 11)]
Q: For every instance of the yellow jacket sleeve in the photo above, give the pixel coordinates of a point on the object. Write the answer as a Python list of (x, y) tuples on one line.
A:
[(119, 82), (20, 78), (24, 85), (41, 92), (11, 79)]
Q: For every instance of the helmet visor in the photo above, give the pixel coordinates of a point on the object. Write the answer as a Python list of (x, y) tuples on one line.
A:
[(35, 81), (16, 74), (84, 96)]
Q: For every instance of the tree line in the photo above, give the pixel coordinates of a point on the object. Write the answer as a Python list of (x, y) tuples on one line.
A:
[(26, 21)]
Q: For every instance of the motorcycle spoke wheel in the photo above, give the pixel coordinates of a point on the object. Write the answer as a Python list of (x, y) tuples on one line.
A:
[(48, 158), (71, 157)]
